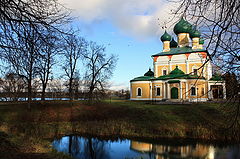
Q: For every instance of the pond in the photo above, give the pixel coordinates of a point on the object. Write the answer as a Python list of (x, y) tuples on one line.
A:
[(92, 148)]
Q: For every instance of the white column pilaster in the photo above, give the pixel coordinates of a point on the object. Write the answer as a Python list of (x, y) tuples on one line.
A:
[(164, 91), (224, 91), (151, 90), (209, 91), (169, 91), (180, 86), (187, 90)]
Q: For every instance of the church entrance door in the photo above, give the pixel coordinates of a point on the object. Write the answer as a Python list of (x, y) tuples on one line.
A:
[(174, 93), (217, 91)]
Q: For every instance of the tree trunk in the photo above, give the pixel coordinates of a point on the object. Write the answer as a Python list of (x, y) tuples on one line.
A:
[(70, 89), (29, 93), (43, 91), (90, 94)]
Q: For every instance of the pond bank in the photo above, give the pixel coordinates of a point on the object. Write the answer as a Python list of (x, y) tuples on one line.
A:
[(19, 147), (125, 119)]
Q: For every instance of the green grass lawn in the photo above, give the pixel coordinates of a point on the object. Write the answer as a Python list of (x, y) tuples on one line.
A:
[(117, 117), (134, 113), (36, 128)]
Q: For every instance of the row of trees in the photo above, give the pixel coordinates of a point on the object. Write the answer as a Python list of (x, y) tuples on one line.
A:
[(34, 39)]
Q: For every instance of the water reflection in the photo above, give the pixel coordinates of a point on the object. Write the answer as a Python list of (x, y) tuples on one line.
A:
[(164, 151), (90, 148), (87, 148)]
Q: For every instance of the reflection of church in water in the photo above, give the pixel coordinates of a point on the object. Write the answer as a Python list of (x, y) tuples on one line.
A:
[(182, 71), (168, 152)]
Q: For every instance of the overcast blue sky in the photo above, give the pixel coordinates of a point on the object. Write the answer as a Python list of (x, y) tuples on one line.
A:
[(128, 28)]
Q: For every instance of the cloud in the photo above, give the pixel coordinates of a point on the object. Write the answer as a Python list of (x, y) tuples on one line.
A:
[(140, 19), (118, 85)]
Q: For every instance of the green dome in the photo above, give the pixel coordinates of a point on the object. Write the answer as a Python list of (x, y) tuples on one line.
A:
[(177, 71), (194, 33), (201, 41), (166, 37), (182, 27), (149, 73), (173, 43)]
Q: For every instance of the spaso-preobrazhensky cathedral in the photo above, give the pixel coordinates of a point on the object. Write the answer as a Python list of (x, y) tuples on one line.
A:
[(182, 71)]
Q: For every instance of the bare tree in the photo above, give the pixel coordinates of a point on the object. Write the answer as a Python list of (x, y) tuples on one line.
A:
[(13, 86), (221, 28), (45, 63), (76, 85), (21, 33), (99, 68), (73, 50), (231, 85), (24, 59), (15, 14)]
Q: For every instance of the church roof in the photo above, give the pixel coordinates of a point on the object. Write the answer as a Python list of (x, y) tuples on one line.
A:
[(179, 50), (173, 43), (194, 33), (216, 78), (149, 73), (178, 74), (174, 74), (173, 81), (201, 41), (182, 26), (166, 37), (143, 78), (167, 77), (177, 71)]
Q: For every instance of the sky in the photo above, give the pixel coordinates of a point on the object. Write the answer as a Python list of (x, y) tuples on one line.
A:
[(129, 29)]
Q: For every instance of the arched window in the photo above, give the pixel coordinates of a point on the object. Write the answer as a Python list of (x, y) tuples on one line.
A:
[(139, 92), (164, 72), (193, 91), (158, 91), (195, 70)]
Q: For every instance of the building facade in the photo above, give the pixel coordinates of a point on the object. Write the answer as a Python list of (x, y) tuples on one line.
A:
[(182, 71)]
